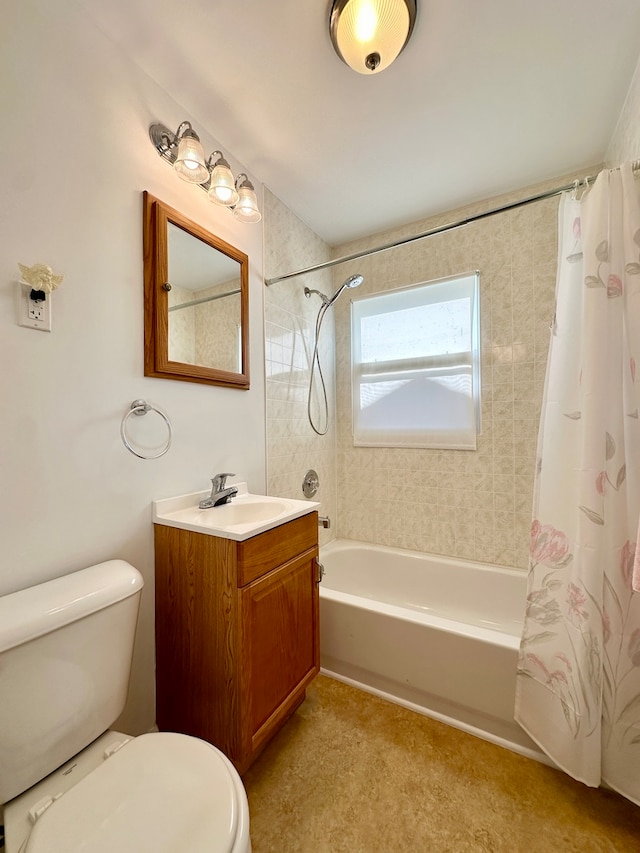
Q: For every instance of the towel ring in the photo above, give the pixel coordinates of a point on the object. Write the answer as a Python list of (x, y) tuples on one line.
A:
[(141, 407)]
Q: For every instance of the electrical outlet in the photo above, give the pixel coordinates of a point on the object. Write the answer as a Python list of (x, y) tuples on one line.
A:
[(36, 310), (33, 313)]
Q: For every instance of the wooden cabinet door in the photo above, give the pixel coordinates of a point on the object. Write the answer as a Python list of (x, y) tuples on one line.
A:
[(280, 647)]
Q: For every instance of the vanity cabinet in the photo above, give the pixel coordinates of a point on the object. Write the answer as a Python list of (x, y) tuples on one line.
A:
[(237, 634)]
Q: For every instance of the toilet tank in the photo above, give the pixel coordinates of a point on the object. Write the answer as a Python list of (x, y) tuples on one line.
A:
[(65, 659)]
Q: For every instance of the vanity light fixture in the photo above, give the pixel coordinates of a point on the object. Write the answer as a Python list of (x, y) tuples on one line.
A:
[(369, 34), (184, 152)]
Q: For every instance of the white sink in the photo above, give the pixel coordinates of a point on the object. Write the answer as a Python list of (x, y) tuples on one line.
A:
[(249, 512), (245, 516)]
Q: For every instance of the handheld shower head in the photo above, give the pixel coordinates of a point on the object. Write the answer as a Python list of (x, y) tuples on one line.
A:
[(352, 281)]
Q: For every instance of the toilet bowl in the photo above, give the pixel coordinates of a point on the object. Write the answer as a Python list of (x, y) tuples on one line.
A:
[(159, 793), (69, 783)]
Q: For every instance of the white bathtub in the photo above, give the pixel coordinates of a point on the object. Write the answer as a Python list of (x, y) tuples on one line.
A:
[(435, 634)]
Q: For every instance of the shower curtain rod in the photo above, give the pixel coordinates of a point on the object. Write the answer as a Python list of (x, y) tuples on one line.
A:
[(203, 300), (440, 229)]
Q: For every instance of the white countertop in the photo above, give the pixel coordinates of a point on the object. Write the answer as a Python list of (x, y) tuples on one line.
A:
[(245, 516)]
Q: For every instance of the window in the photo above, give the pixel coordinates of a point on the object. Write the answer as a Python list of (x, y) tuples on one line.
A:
[(415, 365)]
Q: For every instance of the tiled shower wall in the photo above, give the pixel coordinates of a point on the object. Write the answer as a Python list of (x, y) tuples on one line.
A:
[(469, 504), (292, 446)]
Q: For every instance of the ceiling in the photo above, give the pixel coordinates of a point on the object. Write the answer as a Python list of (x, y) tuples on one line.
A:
[(487, 97)]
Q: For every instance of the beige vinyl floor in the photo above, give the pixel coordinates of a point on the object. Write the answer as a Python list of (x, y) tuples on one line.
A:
[(352, 772)]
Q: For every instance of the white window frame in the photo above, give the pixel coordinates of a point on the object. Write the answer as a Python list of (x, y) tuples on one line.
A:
[(464, 364)]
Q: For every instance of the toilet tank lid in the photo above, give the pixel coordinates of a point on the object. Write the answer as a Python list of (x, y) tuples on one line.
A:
[(38, 610)]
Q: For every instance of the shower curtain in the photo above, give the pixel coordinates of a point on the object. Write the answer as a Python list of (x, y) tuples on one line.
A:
[(578, 679)]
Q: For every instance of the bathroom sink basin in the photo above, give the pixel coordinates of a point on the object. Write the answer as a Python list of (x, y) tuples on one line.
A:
[(244, 516), (250, 512)]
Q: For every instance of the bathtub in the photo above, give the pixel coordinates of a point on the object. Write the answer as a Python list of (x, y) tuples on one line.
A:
[(434, 634)]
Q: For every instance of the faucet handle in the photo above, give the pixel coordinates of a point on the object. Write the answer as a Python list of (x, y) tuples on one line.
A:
[(219, 481)]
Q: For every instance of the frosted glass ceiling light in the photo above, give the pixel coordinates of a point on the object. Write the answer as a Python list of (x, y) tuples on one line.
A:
[(369, 34), (246, 210), (222, 188)]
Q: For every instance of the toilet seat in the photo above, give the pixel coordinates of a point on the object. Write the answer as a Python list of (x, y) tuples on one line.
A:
[(160, 793)]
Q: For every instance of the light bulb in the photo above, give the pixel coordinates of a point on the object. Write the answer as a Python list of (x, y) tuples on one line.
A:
[(222, 189), (246, 210), (366, 22)]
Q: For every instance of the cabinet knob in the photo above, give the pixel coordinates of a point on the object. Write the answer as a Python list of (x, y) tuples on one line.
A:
[(319, 571)]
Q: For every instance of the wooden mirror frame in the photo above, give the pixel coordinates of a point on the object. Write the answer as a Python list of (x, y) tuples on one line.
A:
[(156, 216)]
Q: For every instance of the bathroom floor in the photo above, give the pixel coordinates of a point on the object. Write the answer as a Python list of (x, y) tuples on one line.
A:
[(352, 772)]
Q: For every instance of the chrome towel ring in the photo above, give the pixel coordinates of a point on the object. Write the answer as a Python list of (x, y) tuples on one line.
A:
[(141, 407)]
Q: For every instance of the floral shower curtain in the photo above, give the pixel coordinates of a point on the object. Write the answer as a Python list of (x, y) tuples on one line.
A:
[(578, 680)]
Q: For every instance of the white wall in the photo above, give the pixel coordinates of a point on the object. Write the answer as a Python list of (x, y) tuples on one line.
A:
[(75, 160), (625, 140)]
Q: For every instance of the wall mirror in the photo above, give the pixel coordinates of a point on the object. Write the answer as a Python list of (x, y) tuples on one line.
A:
[(196, 295)]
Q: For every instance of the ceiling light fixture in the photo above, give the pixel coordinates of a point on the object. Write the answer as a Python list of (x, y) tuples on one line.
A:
[(369, 34), (184, 152)]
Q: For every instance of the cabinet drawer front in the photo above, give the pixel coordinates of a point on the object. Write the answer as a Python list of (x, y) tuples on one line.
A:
[(262, 553)]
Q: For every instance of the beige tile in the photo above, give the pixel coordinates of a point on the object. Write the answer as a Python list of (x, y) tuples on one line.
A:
[(516, 256)]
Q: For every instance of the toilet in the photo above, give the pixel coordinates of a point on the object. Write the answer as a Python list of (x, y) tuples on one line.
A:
[(69, 783)]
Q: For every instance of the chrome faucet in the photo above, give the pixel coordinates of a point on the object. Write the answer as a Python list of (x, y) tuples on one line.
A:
[(219, 493)]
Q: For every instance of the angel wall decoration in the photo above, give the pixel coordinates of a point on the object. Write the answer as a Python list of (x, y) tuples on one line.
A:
[(40, 277)]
